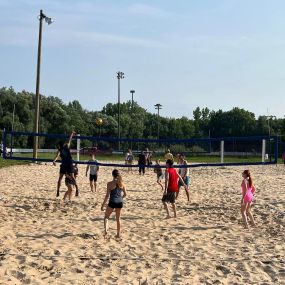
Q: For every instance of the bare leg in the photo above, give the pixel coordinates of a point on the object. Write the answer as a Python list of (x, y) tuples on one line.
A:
[(159, 183), (59, 183), (166, 209), (70, 188), (95, 186), (188, 195), (177, 194), (67, 193), (91, 186), (174, 209), (108, 212), (118, 219), (75, 184), (243, 213), (249, 214)]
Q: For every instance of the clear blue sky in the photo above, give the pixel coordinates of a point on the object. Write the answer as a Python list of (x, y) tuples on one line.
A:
[(182, 54)]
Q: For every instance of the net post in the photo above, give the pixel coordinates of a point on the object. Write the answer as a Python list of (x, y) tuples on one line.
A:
[(222, 150), (78, 147), (276, 150), (4, 144), (263, 150)]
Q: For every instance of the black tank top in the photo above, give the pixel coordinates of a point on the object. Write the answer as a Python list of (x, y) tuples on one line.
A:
[(116, 195), (65, 156)]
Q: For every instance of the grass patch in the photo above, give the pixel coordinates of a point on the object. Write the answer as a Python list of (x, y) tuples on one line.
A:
[(120, 158), (8, 162)]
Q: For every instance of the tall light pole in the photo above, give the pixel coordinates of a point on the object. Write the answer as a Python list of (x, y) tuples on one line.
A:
[(269, 119), (132, 92), (41, 17), (120, 75), (158, 107), (132, 115)]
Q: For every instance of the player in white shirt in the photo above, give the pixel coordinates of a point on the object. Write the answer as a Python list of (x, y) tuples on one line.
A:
[(93, 174)]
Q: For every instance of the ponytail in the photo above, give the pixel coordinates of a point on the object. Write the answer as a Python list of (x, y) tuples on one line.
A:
[(248, 175), (118, 178), (119, 181)]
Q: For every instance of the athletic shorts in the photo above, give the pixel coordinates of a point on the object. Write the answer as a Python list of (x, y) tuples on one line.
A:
[(159, 176), (64, 168), (186, 181), (114, 205), (93, 177), (169, 197), (69, 181)]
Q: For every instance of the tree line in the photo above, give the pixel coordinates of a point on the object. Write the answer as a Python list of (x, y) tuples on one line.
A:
[(136, 122)]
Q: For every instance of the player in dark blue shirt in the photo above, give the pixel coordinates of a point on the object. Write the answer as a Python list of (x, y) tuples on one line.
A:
[(66, 162)]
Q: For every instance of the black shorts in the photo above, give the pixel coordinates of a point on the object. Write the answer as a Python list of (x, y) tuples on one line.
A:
[(65, 168), (169, 197), (114, 205), (69, 181), (93, 177), (159, 176)]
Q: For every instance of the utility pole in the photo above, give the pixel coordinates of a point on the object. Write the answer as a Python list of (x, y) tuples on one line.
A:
[(37, 115)]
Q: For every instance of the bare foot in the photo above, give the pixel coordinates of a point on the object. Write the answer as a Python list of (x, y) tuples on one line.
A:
[(168, 217), (118, 237), (106, 236)]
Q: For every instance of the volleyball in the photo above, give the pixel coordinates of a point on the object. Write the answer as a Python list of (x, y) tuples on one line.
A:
[(99, 121)]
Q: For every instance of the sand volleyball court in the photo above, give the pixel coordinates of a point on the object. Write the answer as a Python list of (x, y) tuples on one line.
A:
[(42, 242)]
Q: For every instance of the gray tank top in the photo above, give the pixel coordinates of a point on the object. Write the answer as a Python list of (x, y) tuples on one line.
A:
[(116, 195)]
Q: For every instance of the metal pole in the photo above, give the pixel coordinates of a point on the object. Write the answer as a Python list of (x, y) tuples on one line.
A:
[(120, 75), (119, 112), (263, 151), (37, 115), (210, 141), (132, 92), (222, 151), (13, 120), (78, 147), (158, 107), (132, 116), (4, 144), (157, 123)]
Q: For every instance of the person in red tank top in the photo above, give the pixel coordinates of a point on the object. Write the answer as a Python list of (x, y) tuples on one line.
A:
[(171, 187)]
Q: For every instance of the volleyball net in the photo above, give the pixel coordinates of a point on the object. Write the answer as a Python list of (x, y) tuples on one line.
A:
[(228, 151)]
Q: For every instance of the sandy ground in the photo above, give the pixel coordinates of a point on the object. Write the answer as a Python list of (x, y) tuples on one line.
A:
[(42, 242)]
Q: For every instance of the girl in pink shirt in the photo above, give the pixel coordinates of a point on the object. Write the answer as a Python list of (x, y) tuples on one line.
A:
[(247, 190)]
